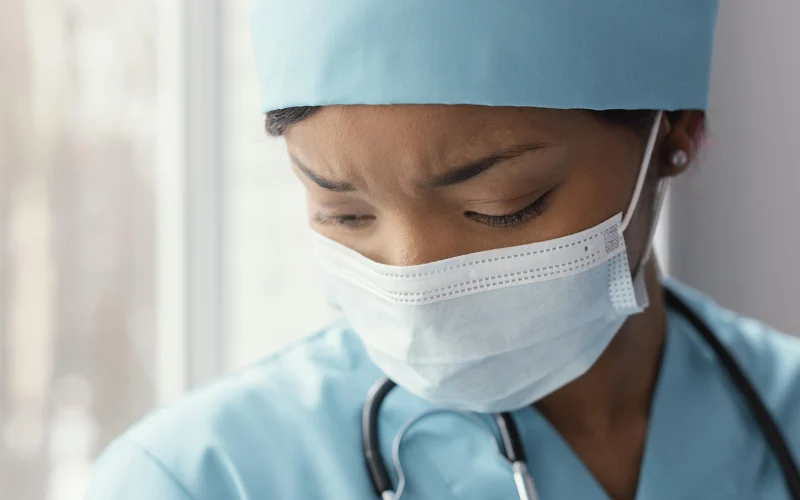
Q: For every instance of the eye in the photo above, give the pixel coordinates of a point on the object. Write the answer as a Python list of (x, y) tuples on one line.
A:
[(349, 221), (526, 214)]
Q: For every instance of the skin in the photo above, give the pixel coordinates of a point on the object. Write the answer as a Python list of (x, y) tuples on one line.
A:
[(379, 166)]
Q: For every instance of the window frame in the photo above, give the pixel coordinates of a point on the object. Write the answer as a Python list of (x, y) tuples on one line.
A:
[(191, 294)]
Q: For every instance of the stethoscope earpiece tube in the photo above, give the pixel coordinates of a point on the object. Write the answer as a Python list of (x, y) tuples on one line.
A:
[(515, 453), (522, 478), (369, 437), (512, 444), (766, 423)]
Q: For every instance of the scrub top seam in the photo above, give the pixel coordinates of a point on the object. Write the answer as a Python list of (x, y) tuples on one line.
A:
[(163, 468)]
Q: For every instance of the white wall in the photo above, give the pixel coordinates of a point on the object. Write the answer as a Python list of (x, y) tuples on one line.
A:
[(734, 222)]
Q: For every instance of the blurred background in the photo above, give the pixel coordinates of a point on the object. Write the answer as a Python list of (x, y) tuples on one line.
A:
[(152, 237)]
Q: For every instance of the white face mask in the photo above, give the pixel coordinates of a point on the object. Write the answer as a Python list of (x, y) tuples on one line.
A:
[(496, 330)]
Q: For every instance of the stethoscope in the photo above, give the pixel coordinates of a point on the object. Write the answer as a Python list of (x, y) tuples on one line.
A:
[(512, 447)]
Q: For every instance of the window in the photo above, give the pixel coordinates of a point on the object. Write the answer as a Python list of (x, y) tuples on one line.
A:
[(151, 235), (77, 273)]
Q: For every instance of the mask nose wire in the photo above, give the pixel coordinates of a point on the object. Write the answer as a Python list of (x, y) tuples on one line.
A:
[(648, 155)]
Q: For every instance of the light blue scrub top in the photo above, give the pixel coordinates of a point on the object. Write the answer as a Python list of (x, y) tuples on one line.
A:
[(288, 428)]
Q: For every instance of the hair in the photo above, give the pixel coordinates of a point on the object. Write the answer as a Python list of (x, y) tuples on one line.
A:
[(278, 121), (639, 121)]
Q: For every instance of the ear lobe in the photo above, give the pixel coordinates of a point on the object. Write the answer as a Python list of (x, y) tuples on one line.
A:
[(680, 145)]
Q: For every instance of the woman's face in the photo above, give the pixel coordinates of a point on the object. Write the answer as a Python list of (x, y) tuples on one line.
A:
[(413, 184)]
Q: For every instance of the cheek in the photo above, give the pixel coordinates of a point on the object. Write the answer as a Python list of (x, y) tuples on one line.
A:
[(593, 193), (614, 171)]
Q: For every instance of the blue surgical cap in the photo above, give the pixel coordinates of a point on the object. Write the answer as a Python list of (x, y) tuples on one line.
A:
[(591, 54)]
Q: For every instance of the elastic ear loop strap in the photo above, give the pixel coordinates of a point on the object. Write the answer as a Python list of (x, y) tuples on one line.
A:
[(643, 168)]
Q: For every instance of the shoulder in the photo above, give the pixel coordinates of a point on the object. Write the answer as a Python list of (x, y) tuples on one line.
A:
[(269, 414), (770, 358)]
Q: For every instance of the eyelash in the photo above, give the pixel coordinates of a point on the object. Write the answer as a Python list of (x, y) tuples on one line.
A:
[(349, 221), (526, 214)]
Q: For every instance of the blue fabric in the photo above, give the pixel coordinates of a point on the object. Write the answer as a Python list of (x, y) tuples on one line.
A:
[(601, 54), (288, 428)]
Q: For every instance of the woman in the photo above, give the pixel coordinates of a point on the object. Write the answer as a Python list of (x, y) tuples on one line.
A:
[(484, 179)]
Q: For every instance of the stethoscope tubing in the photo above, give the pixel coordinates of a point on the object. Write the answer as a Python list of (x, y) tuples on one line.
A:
[(370, 440), (764, 419)]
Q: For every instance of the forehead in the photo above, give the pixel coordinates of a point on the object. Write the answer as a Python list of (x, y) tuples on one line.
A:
[(444, 131)]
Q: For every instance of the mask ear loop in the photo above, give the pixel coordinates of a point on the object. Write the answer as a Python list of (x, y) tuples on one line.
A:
[(663, 186), (640, 288), (648, 155)]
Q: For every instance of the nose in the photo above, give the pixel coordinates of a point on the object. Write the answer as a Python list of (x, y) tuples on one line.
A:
[(411, 243)]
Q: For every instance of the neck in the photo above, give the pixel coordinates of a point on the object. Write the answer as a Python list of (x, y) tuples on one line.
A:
[(619, 387)]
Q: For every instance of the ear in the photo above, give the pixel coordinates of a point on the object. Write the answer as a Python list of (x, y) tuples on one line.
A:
[(684, 128)]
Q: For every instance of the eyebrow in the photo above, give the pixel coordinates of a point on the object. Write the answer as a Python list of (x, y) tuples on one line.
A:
[(477, 167), (339, 187), (455, 176)]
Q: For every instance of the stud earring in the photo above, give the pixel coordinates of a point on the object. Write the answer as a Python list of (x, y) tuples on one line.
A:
[(679, 158)]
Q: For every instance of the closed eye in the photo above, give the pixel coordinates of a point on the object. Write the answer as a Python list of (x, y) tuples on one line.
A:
[(350, 221), (527, 214)]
